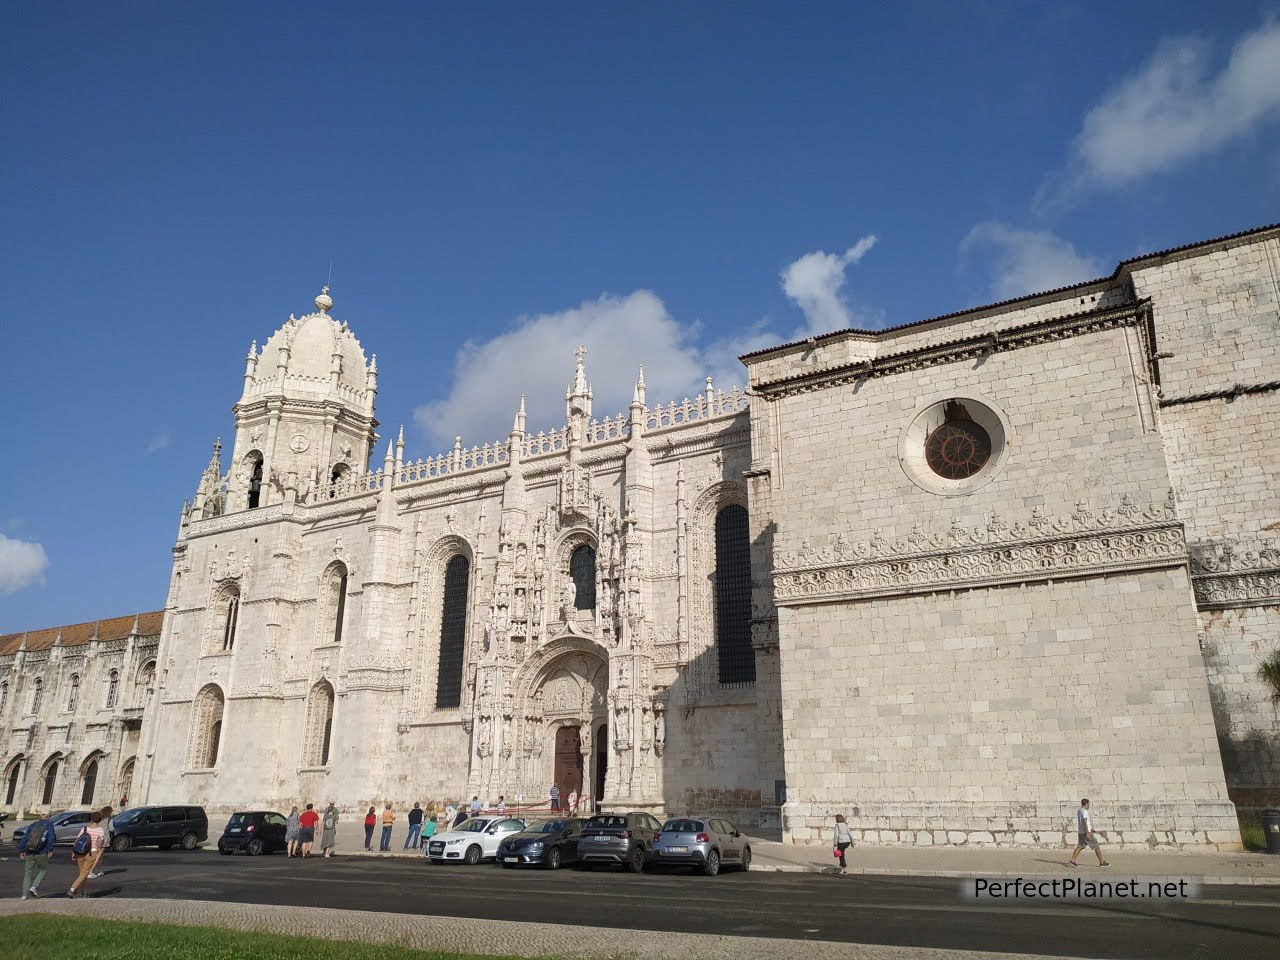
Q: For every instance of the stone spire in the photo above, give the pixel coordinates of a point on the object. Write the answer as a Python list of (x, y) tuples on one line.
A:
[(577, 399)]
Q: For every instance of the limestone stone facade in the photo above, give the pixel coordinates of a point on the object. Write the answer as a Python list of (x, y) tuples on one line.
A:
[(945, 578), (71, 705)]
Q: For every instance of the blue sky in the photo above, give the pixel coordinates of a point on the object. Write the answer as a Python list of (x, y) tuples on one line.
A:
[(670, 183)]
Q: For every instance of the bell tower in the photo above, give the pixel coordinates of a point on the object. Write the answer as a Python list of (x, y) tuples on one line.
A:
[(305, 417)]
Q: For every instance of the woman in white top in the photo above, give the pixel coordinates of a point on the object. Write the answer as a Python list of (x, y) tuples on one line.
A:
[(85, 861), (843, 840)]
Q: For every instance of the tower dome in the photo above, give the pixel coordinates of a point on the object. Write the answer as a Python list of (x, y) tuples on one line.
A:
[(309, 348)]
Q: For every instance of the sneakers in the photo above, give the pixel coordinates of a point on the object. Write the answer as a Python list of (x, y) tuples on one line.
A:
[(95, 876), (1072, 863), (34, 894), (1105, 863), (23, 897)]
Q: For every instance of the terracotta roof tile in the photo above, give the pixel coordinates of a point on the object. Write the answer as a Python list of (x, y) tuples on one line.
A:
[(10, 642), (117, 628), (149, 623), (41, 639)]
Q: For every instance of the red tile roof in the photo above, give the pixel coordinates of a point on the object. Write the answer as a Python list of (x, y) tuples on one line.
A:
[(73, 635)]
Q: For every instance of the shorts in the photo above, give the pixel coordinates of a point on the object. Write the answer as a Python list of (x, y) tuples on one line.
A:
[(306, 834), (1088, 841)]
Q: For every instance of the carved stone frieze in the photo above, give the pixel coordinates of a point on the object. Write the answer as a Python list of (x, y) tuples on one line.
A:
[(1128, 538), (1231, 577), (237, 521)]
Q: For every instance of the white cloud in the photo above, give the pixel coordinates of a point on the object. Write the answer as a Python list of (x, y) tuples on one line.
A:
[(1027, 261), (1171, 110), (536, 358), (158, 442), (21, 564), (815, 282)]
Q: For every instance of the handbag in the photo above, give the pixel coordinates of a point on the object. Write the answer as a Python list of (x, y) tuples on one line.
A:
[(83, 844), (835, 852)]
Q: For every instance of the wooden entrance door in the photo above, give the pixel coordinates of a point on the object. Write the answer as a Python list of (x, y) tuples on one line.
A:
[(568, 772)]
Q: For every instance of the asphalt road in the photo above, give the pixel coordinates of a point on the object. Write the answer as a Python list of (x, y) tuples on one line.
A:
[(1238, 922)]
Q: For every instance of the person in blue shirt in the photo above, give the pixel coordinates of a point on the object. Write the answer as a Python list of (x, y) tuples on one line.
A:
[(37, 848)]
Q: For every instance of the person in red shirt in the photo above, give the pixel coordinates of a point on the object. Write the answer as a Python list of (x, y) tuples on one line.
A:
[(307, 829), (370, 821)]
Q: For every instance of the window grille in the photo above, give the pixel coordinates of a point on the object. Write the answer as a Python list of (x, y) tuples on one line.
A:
[(453, 632), (73, 699), (113, 688), (736, 658), (582, 568)]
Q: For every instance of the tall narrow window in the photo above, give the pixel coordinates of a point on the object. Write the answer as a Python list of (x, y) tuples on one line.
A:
[(335, 603), (319, 728), (50, 779), (11, 780), (73, 697), (146, 682), (453, 631), (255, 480), (231, 614), (125, 785), (582, 568), (113, 688), (37, 694), (206, 728), (90, 782), (4, 696), (737, 660)]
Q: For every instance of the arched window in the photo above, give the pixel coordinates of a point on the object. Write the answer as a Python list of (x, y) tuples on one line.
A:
[(37, 694), (113, 688), (90, 781), (582, 568), (340, 470), (126, 779), (11, 779), (319, 728), (49, 778), (4, 696), (453, 631), (255, 479), (335, 603), (230, 614), (145, 683), (737, 660), (206, 728), (73, 696)]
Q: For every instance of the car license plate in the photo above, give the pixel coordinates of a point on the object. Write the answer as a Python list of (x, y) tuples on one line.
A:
[(510, 859), (233, 830), (602, 839), (676, 850)]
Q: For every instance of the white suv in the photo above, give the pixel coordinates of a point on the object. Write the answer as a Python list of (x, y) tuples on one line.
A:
[(475, 840)]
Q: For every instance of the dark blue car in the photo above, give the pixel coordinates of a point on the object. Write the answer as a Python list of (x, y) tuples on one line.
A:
[(544, 843)]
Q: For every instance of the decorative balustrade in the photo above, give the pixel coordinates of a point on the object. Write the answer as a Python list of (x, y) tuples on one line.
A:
[(545, 442), (713, 403), (610, 428)]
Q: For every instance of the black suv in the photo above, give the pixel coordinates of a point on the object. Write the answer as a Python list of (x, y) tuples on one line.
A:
[(159, 826), (260, 831), (624, 838)]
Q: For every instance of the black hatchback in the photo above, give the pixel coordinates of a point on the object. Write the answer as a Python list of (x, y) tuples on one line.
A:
[(254, 832), (162, 827), (544, 843)]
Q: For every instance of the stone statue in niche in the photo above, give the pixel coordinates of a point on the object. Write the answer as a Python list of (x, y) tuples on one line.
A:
[(519, 606), (483, 735), (522, 559), (646, 727), (568, 597), (659, 731)]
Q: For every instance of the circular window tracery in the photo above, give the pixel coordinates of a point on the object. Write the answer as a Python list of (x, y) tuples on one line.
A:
[(954, 445), (958, 447)]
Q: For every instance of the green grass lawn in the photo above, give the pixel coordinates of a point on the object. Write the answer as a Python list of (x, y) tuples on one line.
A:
[(42, 937), (1251, 834)]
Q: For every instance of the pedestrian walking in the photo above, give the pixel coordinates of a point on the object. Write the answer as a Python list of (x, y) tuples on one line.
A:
[(573, 801), (502, 805), (428, 831), (85, 852), (414, 835), (370, 821), (388, 820), (291, 830), (555, 797), (107, 815), (329, 828), (844, 839), (307, 829), (1085, 836), (37, 848)]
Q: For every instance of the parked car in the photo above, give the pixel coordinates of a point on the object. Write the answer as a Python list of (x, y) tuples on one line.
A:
[(66, 826), (159, 826), (544, 843), (255, 832), (622, 838), (704, 843), (475, 840)]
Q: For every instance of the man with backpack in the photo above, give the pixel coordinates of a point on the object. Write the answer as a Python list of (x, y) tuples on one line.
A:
[(37, 847)]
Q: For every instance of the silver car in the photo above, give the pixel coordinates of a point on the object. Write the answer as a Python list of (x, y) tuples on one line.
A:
[(66, 827), (704, 843)]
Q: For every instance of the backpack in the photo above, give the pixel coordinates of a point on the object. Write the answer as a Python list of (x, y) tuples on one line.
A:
[(83, 844), (33, 839)]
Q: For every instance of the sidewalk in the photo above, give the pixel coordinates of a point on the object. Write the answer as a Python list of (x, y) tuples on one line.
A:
[(501, 937), (1222, 868)]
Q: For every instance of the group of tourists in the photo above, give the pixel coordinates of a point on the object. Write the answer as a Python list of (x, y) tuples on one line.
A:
[(87, 849), (300, 831)]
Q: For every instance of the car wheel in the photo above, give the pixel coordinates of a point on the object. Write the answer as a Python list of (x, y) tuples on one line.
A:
[(553, 859), (635, 861), (712, 866), (746, 859), (224, 851), (121, 844), (254, 847), (163, 846), (473, 855), (189, 841)]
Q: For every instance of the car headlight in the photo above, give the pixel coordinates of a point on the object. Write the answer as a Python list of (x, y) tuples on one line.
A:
[(456, 840), (535, 847)]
